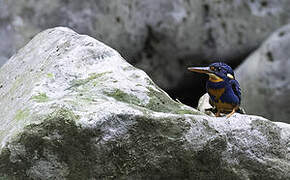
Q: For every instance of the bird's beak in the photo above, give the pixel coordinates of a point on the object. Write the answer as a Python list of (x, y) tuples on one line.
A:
[(204, 70)]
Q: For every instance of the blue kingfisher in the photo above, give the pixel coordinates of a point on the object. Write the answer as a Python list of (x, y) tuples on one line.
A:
[(222, 87)]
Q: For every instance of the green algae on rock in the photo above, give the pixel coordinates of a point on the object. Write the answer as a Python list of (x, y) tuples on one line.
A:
[(80, 111), (41, 97), (21, 114)]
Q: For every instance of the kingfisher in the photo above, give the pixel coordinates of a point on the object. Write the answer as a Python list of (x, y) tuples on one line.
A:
[(222, 87)]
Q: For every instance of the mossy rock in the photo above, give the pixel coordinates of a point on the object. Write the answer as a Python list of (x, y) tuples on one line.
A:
[(73, 108)]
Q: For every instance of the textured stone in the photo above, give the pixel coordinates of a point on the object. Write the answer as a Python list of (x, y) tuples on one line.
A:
[(73, 108), (264, 78), (160, 36)]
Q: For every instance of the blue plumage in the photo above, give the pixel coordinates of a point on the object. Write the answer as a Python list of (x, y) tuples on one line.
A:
[(232, 93), (223, 89)]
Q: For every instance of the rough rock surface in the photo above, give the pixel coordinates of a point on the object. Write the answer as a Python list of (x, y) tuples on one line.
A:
[(265, 78), (73, 108), (160, 36)]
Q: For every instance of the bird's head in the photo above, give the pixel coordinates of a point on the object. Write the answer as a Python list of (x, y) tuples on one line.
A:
[(217, 72)]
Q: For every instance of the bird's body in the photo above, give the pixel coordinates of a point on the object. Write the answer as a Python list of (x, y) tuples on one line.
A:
[(223, 89), (222, 95)]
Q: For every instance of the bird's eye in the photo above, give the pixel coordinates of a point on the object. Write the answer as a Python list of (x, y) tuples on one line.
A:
[(219, 68)]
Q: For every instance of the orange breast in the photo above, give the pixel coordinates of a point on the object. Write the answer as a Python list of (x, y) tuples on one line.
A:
[(217, 93), (224, 107)]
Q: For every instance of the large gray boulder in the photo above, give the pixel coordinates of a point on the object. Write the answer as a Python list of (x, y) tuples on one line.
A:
[(265, 78), (73, 108), (160, 36)]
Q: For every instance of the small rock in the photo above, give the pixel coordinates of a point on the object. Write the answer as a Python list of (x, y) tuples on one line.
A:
[(204, 105)]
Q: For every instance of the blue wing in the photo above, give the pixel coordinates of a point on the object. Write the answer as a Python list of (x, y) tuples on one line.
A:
[(236, 88)]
